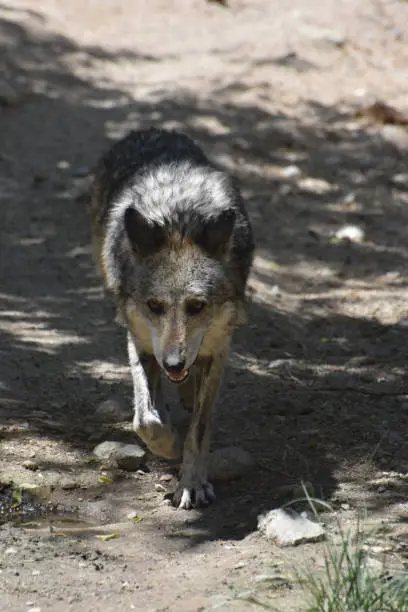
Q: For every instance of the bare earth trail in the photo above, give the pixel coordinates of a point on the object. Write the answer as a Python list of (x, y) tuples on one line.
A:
[(317, 387)]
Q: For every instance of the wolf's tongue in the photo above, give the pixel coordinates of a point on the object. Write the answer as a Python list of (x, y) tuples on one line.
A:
[(178, 376)]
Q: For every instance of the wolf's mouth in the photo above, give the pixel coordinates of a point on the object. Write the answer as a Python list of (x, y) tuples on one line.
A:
[(177, 377)]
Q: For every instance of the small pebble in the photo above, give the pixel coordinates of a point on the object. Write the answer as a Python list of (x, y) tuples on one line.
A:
[(350, 232), (291, 171), (240, 565), (63, 164), (132, 515), (29, 464), (68, 484), (401, 179)]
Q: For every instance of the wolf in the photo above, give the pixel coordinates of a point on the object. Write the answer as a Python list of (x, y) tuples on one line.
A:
[(174, 244)]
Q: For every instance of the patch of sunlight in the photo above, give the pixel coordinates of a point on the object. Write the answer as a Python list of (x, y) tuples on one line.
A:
[(105, 369), (212, 124), (45, 338), (78, 251), (247, 362), (29, 241), (95, 291), (305, 270), (18, 314), (46, 450)]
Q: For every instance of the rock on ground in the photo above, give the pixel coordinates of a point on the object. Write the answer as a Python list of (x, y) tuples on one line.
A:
[(127, 456), (288, 528)]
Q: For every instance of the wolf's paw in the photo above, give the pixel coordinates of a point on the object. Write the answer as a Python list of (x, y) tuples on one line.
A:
[(161, 439), (193, 495)]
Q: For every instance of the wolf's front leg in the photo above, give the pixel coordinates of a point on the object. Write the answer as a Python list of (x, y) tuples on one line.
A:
[(151, 422), (193, 489)]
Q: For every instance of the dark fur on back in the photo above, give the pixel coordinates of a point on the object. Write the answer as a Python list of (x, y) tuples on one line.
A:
[(167, 178)]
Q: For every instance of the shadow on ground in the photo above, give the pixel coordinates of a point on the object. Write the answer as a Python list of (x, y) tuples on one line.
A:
[(313, 387)]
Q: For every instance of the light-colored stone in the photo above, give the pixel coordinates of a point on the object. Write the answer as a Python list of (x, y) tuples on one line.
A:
[(132, 515), (68, 484), (229, 463), (291, 171), (288, 528), (350, 232), (401, 179), (127, 456)]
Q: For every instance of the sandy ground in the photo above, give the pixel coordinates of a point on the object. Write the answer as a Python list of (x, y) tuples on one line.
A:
[(317, 388)]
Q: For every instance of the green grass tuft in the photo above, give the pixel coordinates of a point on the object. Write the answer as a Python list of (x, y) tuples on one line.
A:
[(348, 584)]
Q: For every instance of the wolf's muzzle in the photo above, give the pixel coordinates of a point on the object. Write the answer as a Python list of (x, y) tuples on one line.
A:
[(175, 369)]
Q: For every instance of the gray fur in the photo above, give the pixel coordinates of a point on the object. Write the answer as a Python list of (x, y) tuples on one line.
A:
[(175, 247)]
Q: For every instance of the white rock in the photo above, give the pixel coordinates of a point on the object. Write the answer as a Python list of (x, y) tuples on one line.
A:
[(291, 171), (350, 232), (132, 515), (288, 528), (401, 179), (229, 463), (127, 456)]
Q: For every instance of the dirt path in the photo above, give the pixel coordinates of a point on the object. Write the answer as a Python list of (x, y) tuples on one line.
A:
[(317, 388)]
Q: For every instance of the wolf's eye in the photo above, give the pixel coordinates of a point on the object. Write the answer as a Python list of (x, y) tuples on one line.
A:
[(155, 307), (195, 307)]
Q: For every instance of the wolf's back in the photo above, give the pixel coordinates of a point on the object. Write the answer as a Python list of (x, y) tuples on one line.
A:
[(170, 181)]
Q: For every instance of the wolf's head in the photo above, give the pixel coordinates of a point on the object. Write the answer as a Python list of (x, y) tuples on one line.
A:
[(179, 293)]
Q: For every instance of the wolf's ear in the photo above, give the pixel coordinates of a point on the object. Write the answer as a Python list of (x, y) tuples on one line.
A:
[(215, 234), (144, 235)]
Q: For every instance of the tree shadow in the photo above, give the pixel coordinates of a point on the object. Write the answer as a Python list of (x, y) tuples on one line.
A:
[(314, 383)]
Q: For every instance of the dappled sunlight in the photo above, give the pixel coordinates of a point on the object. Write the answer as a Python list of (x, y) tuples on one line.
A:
[(106, 370), (45, 338), (317, 380)]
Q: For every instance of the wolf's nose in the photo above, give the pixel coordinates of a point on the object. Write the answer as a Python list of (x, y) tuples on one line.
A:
[(174, 365)]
